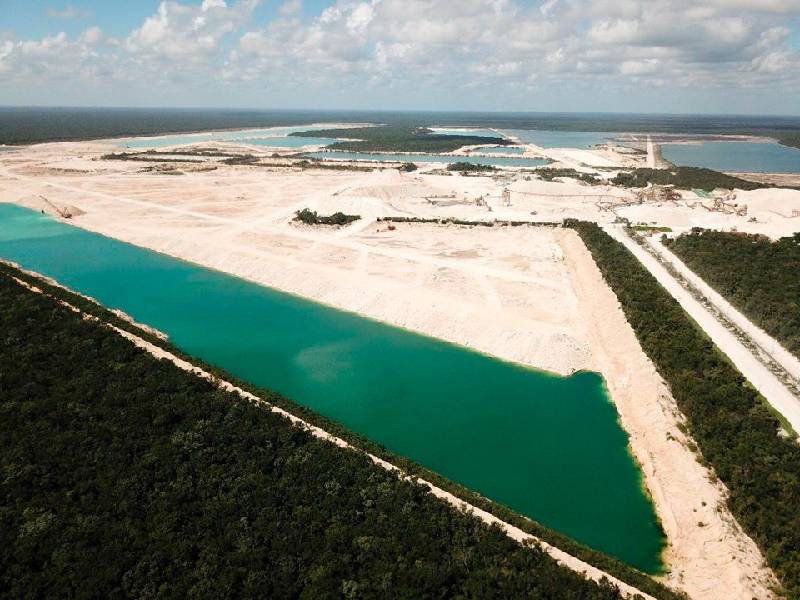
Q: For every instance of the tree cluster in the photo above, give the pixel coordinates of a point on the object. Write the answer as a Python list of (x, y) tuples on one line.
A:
[(550, 173), (466, 167), (685, 178), (310, 217)]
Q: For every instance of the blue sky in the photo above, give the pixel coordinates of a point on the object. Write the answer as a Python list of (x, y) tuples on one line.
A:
[(722, 56), (36, 19), (32, 20)]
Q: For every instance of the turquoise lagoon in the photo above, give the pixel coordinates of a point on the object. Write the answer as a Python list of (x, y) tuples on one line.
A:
[(501, 150), (752, 157), (561, 139)]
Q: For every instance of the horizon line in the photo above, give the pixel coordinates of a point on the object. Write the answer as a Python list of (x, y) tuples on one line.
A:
[(397, 110)]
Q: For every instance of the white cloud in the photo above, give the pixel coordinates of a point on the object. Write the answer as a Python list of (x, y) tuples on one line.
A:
[(5, 51), (770, 6), (364, 46), (183, 32), (639, 67), (92, 36)]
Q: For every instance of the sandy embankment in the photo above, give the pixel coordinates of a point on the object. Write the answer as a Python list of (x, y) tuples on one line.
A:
[(709, 554)]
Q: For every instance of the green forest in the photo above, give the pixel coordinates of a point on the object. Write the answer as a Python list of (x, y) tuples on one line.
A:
[(758, 276), (124, 476), (685, 178), (729, 420), (399, 138)]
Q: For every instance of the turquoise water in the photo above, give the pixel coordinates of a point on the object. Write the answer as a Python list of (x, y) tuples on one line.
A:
[(750, 157), (277, 135), (502, 150), (549, 447), (561, 139), (499, 161)]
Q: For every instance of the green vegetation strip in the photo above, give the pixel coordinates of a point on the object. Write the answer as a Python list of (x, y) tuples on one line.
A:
[(728, 419), (758, 276), (325, 166), (398, 138), (685, 178), (606, 563), (454, 221), (652, 228)]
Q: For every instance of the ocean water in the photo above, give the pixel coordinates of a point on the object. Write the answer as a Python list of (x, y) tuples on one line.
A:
[(499, 161), (549, 447), (735, 156)]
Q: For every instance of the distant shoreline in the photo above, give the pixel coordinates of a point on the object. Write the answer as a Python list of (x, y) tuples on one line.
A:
[(618, 136)]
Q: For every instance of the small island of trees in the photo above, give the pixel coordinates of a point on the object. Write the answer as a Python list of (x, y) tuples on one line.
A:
[(310, 217)]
